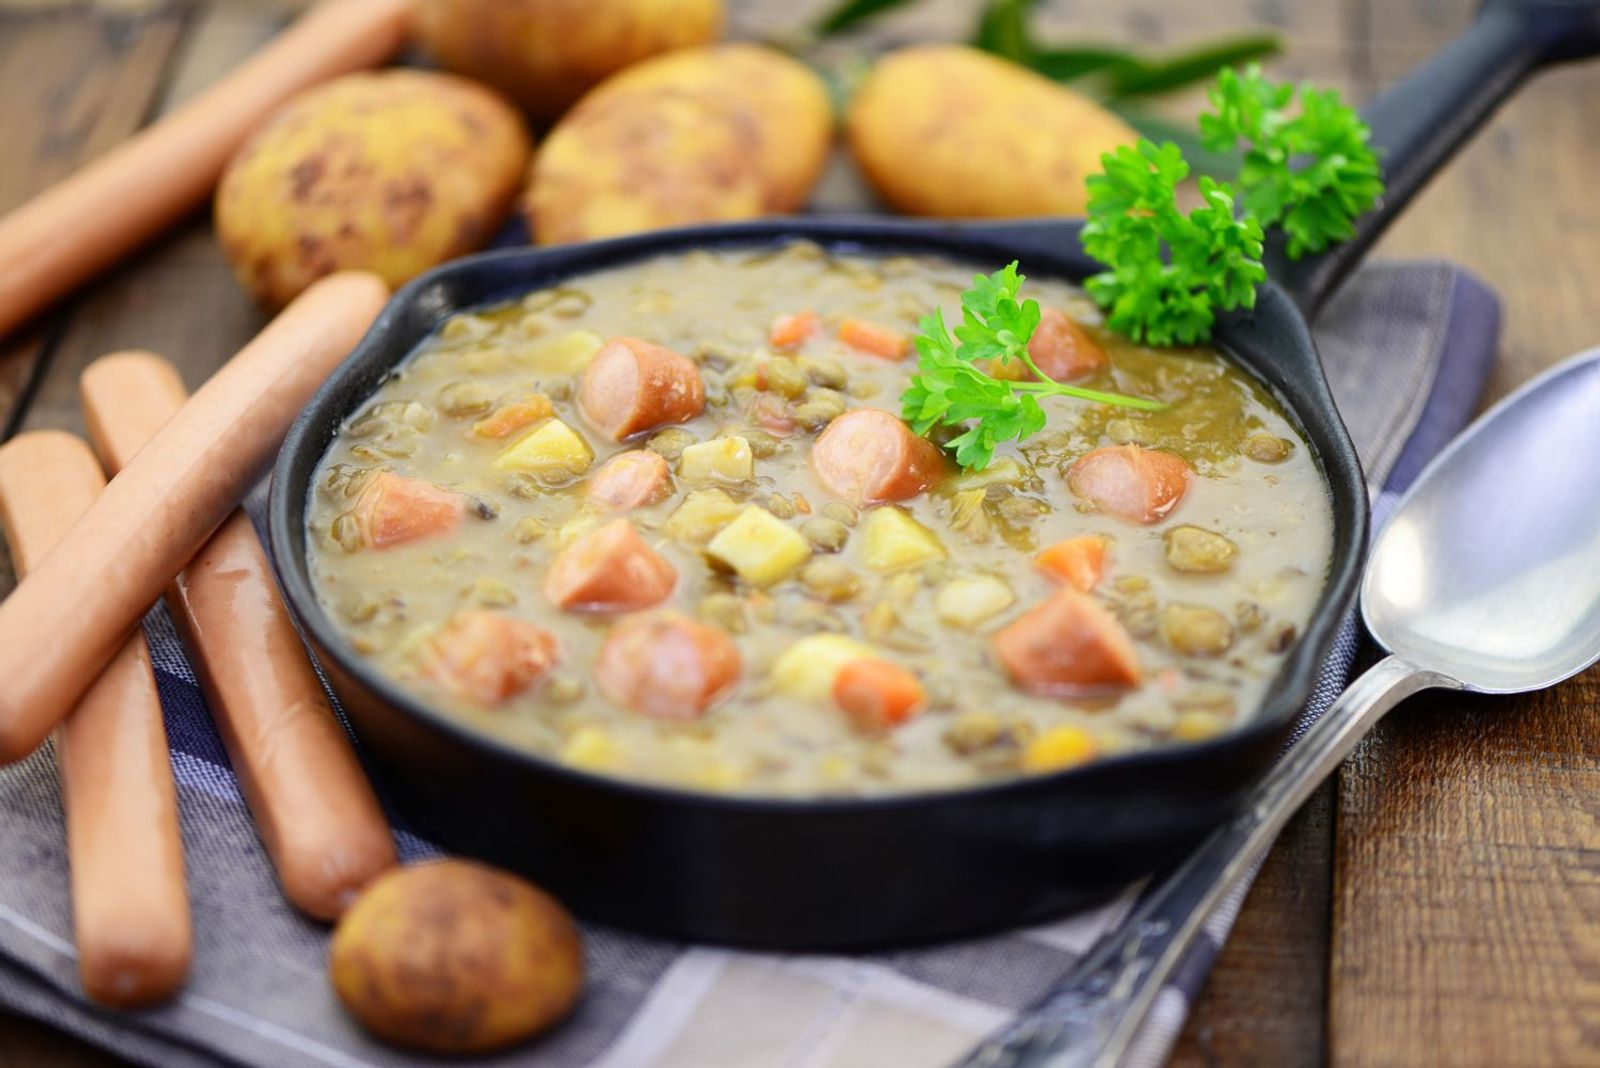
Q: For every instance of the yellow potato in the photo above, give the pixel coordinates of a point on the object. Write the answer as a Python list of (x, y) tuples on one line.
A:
[(950, 131), (455, 957), (735, 131), (545, 54), (392, 172)]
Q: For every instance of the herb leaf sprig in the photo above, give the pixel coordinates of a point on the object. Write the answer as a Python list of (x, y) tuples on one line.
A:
[(1212, 261), (950, 389), (1312, 172)]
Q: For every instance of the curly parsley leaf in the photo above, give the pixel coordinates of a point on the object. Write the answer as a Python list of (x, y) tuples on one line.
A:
[(1168, 273), (1313, 172), (951, 389)]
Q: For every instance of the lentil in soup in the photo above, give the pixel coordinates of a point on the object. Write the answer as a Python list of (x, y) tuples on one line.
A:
[(663, 522)]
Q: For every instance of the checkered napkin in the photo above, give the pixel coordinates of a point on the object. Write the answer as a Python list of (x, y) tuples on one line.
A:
[(1408, 347)]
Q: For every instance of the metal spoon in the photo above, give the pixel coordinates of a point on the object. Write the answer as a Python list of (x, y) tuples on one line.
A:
[(1486, 579)]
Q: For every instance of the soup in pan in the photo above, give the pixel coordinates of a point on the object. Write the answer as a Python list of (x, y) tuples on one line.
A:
[(664, 522)]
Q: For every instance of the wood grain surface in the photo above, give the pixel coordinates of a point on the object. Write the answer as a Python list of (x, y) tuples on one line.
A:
[(1436, 905)]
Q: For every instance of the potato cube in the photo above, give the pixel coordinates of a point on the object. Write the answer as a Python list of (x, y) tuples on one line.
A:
[(550, 448), (809, 667), (969, 601), (701, 515), (892, 540), (760, 547), (591, 749), (718, 460), (561, 354)]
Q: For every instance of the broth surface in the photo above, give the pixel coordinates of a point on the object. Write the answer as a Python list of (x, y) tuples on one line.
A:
[(1208, 643)]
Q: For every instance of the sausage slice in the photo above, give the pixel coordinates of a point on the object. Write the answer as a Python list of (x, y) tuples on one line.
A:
[(609, 569), (632, 385), (1067, 644), (868, 457), (488, 657), (1061, 349), (394, 509), (667, 665), (631, 480), (1137, 484)]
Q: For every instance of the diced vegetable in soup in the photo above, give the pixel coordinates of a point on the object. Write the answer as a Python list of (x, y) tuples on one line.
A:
[(665, 522)]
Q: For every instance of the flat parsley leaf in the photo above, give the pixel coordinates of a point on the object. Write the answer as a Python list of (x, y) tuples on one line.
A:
[(1313, 173), (950, 389), (1168, 273)]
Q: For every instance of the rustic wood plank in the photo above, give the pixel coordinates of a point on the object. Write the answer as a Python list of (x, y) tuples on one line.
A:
[(1463, 925), (72, 85)]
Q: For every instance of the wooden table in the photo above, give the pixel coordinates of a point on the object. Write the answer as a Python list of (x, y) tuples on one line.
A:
[(1439, 902)]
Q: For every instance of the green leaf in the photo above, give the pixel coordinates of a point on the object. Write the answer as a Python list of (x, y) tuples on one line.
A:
[(1193, 147), (1070, 64), (1168, 274), (1313, 172), (1003, 29), (849, 13), (951, 389), (1179, 70)]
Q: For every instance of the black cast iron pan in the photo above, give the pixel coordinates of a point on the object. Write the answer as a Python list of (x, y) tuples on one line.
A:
[(851, 874)]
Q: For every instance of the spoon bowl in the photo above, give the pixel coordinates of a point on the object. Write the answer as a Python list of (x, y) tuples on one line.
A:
[(1490, 569)]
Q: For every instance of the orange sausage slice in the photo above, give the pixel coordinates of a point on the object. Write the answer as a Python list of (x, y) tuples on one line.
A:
[(1061, 349), (1068, 644), (631, 480), (632, 385), (868, 457), (488, 657), (394, 509), (667, 665), (130, 910), (1137, 484), (313, 807), (609, 569)]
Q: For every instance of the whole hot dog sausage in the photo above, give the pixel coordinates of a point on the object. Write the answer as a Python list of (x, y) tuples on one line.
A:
[(130, 911), (70, 614), (159, 175), (312, 804)]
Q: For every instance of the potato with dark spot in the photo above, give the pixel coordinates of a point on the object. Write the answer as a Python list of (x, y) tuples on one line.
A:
[(545, 54), (455, 957), (392, 172), (735, 131), (949, 131)]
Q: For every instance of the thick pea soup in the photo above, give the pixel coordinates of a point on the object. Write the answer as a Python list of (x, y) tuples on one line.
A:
[(663, 522)]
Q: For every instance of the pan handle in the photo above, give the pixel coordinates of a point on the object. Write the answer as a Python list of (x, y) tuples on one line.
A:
[(1420, 123)]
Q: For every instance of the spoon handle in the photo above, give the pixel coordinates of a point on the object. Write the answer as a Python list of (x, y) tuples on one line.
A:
[(1092, 1017)]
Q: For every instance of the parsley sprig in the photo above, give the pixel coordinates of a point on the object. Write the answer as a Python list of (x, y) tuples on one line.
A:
[(1168, 274), (1213, 259), (951, 389), (1312, 172)]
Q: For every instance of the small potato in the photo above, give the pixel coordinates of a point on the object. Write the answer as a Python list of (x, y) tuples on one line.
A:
[(950, 131), (392, 172), (455, 957), (545, 54), (701, 135)]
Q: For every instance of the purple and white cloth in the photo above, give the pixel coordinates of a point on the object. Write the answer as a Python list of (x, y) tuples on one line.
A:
[(1408, 348)]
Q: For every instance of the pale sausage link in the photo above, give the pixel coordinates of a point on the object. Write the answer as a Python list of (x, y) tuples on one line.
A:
[(67, 618), (129, 907), (312, 805), (159, 175)]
